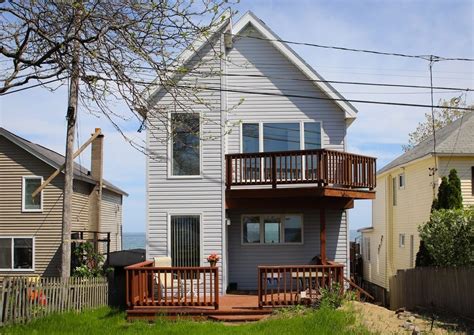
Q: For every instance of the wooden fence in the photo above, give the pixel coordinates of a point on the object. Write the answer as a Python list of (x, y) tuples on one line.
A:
[(23, 299), (444, 289)]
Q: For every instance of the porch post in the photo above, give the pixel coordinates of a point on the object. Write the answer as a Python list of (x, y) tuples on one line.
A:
[(322, 234)]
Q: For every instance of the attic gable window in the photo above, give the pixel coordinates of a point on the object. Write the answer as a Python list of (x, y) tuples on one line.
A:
[(30, 204)]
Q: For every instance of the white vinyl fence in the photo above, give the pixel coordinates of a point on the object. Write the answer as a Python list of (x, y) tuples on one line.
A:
[(23, 299)]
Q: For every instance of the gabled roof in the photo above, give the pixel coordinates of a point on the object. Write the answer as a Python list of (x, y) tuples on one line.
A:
[(250, 18), (55, 159), (295, 59), (456, 139)]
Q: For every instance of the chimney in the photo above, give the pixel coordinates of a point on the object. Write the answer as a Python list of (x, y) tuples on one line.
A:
[(95, 199), (97, 160)]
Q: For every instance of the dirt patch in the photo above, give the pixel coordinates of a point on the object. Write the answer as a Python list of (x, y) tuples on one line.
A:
[(385, 321)]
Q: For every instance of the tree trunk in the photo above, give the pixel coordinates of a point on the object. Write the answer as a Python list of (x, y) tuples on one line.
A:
[(69, 160)]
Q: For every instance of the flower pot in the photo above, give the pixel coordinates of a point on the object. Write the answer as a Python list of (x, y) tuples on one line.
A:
[(212, 263)]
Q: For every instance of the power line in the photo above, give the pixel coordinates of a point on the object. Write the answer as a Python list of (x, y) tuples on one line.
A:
[(375, 52), (342, 82), (33, 86), (322, 98)]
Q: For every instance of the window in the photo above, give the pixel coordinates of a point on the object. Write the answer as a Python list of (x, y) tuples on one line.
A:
[(312, 135), (16, 253), (394, 191), (472, 180), (185, 240), (401, 181), (412, 251), (280, 136), (272, 229), (367, 248), (30, 204), (401, 240), (250, 137), (186, 155)]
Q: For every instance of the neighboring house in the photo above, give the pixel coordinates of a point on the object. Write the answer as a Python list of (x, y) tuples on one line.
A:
[(248, 190), (30, 229), (405, 191)]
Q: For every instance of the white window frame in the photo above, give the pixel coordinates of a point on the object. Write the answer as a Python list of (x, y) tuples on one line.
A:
[(260, 131), (23, 191), (401, 238), (201, 240), (170, 149), (262, 230), (401, 178), (12, 269)]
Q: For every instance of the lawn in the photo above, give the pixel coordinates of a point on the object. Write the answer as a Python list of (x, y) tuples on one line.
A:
[(107, 321)]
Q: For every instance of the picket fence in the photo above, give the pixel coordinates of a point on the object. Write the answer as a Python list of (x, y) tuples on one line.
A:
[(23, 299)]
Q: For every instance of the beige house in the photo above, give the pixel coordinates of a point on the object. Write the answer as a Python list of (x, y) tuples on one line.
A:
[(405, 191), (30, 229)]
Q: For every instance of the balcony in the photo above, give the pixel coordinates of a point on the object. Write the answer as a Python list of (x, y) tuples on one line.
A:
[(307, 174)]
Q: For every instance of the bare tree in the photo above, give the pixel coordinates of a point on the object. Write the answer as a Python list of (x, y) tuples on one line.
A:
[(443, 116), (110, 51)]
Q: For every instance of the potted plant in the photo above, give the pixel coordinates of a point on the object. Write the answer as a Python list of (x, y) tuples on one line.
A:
[(213, 259)]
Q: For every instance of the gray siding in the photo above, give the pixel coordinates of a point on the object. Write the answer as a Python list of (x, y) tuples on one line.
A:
[(257, 57), (197, 195), (244, 259)]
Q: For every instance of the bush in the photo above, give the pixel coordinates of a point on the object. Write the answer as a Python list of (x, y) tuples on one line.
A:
[(332, 297), (449, 237)]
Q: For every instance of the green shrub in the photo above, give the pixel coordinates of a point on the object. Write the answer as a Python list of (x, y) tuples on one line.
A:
[(449, 237), (332, 297)]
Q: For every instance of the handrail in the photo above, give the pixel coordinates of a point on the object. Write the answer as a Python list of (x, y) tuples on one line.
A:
[(317, 166), (358, 288), (148, 285), (295, 284)]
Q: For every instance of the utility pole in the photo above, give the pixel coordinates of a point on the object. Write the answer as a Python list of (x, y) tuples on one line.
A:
[(69, 159)]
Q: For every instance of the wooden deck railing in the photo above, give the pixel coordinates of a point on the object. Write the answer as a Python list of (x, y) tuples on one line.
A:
[(289, 285), (147, 285), (319, 166)]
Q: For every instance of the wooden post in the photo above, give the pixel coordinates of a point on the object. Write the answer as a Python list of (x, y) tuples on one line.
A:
[(274, 173), (322, 234), (228, 171), (69, 160)]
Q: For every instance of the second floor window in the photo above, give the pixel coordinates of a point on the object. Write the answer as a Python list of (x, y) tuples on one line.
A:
[(186, 148), (30, 204), (280, 136)]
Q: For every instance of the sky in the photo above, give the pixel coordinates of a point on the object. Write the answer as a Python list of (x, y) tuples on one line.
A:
[(444, 28)]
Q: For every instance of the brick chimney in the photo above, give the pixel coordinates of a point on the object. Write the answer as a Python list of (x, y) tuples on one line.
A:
[(97, 165)]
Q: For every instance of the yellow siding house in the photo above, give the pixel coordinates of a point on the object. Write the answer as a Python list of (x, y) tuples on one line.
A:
[(405, 191)]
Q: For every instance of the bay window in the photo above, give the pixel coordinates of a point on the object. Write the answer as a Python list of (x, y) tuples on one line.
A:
[(272, 229)]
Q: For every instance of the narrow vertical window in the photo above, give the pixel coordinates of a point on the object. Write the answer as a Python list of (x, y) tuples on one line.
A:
[(312, 135), (30, 204), (251, 229), (394, 191), (186, 156), (412, 251), (401, 181), (401, 240), (272, 225), (250, 137)]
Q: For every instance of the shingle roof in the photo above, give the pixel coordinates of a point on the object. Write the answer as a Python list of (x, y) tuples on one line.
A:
[(56, 160), (456, 138)]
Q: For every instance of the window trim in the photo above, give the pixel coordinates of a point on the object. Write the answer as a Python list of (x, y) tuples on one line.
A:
[(168, 232), (394, 191), (23, 185), (170, 149), (262, 229), (12, 269), (260, 132), (400, 245)]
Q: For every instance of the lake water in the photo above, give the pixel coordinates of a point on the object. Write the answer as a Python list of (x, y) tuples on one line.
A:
[(133, 240)]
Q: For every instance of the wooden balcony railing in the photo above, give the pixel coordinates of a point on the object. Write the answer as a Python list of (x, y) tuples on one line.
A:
[(290, 285), (319, 166), (147, 285)]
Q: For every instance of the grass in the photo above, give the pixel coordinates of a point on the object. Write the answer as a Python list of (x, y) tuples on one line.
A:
[(108, 321)]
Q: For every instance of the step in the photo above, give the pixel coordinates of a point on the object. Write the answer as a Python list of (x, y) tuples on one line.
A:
[(237, 318), (184, 311)]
